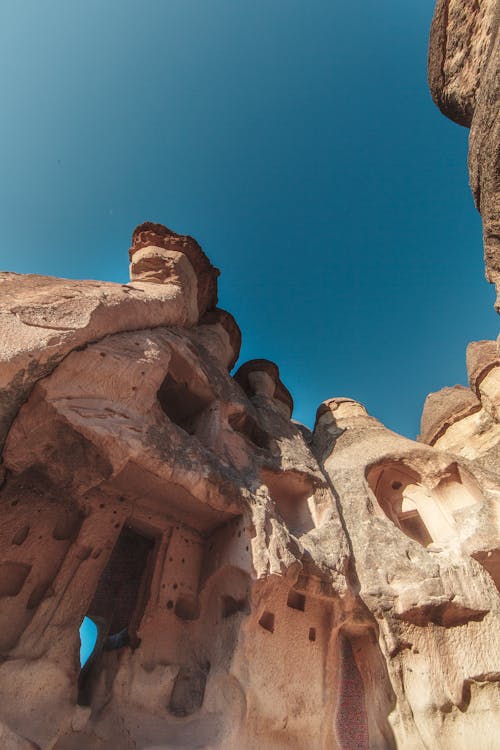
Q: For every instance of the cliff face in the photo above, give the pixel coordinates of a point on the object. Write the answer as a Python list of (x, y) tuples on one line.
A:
[(464, 78), (253, 584)]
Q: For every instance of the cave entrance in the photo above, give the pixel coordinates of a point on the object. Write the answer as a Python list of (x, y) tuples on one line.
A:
[(183, 395), (364, 695), (119, 601)]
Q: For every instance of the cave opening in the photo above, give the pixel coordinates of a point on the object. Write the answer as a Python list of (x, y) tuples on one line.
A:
[(184, 397), (116, 609)]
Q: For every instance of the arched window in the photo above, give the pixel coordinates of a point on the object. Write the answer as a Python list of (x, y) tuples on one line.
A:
[(399, 494), (425, 512)]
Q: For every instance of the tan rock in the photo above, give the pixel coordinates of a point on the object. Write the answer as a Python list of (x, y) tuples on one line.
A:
[(155, 252), (42, 319), (11, 741), (481, 357), (260, 379), (225, 348), (483, 366), (461, 422), (414, 517), (222, 549), (193, 524), (464, 59), (445, 407), (253, 584)]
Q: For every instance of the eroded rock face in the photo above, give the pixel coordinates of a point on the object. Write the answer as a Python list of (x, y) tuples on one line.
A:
[(464, 75), (144, 488), (253, 584), (467, 420), (473, 433)]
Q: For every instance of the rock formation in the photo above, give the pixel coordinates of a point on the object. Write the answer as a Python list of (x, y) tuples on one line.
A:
[(254, 584), (464, 78)]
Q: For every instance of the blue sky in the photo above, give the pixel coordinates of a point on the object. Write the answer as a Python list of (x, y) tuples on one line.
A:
[(295, 140)]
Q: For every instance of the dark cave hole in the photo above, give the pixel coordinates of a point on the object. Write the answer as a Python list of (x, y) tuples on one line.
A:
[(182, 403), (118, 602)]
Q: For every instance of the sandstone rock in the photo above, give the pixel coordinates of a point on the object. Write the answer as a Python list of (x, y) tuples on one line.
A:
[(444, 408), (464, 58), (11, 741), (154, 244), (461, 422), (253, 584), (260, 378), (215, 321), (410, 513), (481, 357), (222, 549), (460, 45), (474, 435), (43, 319), (145, 489)]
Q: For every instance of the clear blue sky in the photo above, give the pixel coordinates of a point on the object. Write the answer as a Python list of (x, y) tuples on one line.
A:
[(295, 139)]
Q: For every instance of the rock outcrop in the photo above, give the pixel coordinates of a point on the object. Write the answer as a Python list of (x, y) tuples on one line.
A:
[(464, 79), (252, 583)]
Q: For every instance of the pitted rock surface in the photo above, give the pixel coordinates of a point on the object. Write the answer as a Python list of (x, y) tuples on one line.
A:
[(252, 583)]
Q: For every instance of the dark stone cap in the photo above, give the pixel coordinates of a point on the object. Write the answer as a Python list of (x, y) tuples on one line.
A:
[(481, 357), (281, 393), (160, 236), (443, 408), (226, 320)]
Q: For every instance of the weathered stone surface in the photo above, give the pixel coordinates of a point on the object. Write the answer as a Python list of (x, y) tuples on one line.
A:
[(464, 78), (223, 550), (410, 512), (253, 583), (260, 379), (474, 435), (445, 407), (153, 245), (11, 741), (227, 348), (459, 49), (481, 357), (42, 319), (145, 489), (467, 421)]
